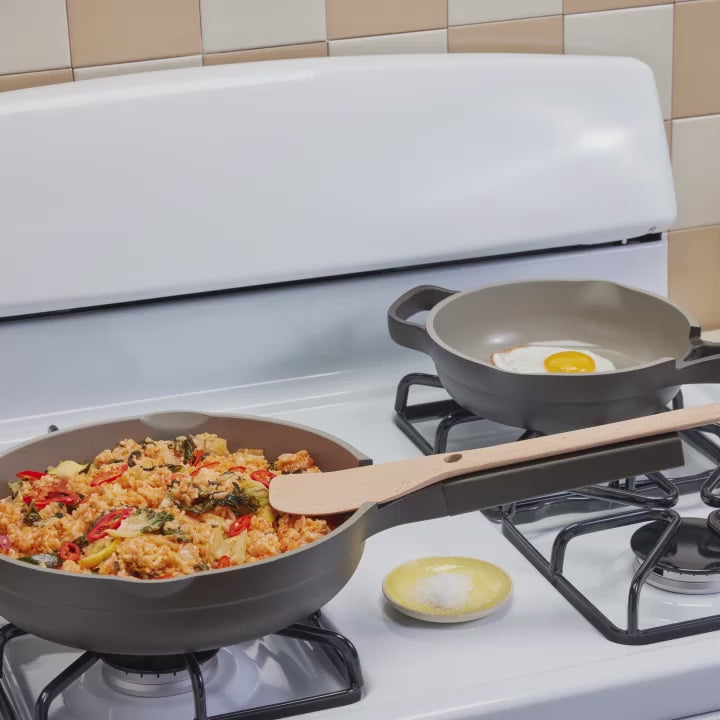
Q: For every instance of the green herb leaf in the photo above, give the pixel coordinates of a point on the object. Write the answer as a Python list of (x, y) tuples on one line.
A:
[(15, 487), (50, 560)]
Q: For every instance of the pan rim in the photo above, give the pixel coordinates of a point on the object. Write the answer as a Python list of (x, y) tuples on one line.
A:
[(694, 329), (352, 519)]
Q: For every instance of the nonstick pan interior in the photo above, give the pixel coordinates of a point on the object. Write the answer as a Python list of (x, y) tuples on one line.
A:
[(629, 328)]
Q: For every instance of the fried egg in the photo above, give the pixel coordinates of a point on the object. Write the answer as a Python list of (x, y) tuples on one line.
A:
[(548, 359)]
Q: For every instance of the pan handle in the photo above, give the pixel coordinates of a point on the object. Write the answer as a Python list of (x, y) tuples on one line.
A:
[(702, 364), (409, 334)]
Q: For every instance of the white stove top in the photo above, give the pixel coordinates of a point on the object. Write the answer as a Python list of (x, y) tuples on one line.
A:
[(537, 658)]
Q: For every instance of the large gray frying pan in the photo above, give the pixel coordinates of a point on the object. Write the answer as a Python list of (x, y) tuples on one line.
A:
[(216, 608), (654, 345)]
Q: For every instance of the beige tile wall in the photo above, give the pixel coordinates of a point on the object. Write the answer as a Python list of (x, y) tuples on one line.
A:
[(53, 41)]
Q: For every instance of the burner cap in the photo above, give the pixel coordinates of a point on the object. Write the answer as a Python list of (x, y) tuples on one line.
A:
[(155, 675), (154, 664), (691, 564)]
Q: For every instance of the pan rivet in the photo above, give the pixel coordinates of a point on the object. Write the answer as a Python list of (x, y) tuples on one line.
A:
[(453, 458)]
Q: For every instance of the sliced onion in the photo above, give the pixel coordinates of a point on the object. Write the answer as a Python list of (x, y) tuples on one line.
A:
[(5, 543)]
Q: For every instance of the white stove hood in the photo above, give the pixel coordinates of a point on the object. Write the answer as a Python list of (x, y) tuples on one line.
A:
[(211, 178)]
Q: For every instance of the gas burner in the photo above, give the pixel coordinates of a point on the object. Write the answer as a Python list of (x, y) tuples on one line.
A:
[(690, 565), (155, 676), (172, 675)]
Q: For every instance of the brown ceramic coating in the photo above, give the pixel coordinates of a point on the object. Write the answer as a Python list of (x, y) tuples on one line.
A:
[(655, 346)]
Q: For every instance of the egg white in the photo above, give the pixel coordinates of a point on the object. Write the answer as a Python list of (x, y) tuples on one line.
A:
[(531, 358)]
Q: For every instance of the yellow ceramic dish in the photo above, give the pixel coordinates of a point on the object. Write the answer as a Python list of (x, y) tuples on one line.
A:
[(447, 589)]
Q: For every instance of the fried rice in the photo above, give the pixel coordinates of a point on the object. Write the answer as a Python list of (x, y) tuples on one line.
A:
[(155, 510)]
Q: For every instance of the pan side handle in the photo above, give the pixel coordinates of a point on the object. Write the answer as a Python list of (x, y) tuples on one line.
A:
[(702, 365), (409, 334)]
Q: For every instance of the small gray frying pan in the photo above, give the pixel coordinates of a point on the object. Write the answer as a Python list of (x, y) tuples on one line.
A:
[(216, 608), (654, 345)]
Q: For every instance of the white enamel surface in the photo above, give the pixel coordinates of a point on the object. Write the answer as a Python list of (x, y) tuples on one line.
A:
[(536, 659), (331, 334), (208, 178)]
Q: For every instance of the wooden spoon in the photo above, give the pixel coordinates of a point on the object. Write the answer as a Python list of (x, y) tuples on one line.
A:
[(346, 490)]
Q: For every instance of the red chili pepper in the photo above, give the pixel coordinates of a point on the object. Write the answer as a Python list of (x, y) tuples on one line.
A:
[(240, 525), (262, 476), (241, 468), (201, 467), (30, 475), (69, 551), (223, 562), (67, 498), (163, 577), (197, 456), (111, 521), (42, 501), (109, 475)]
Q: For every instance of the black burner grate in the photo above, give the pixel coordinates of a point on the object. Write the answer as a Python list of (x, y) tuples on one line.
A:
[(340, 651)]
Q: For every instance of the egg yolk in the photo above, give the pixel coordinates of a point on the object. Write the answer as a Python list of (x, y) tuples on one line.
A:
[(569, 361)]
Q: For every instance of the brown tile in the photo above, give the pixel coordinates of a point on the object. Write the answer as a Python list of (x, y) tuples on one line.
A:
[(536, 35), (116, 31), (696, 71), (34, 79), (356, 18), (579, 6), (284, 52), (668, 132), (693, 262)]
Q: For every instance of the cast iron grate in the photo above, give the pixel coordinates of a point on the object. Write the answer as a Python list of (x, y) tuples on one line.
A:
[(339, 650)]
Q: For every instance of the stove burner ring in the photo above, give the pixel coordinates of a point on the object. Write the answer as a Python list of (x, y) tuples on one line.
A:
[(682, 583), (155, 675), (691, 564)]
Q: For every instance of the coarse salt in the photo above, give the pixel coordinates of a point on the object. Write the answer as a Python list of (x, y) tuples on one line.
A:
[(444, 591)]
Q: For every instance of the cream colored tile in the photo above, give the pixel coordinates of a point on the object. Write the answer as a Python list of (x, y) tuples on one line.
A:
[(643, 33), (696, 168), (430, 41), (356, 18), (34, 79), (693, 263), (579, 6), (668, 132), (696, 78), (284, 52), (464, 12), (33, 35), (118, 31), (88, 73), (241, 24), (537, 35)]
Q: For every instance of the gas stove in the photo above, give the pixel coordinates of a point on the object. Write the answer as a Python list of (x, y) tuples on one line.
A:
[(243, 274)]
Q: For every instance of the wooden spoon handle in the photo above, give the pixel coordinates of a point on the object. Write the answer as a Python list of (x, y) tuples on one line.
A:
[(346, 490)]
